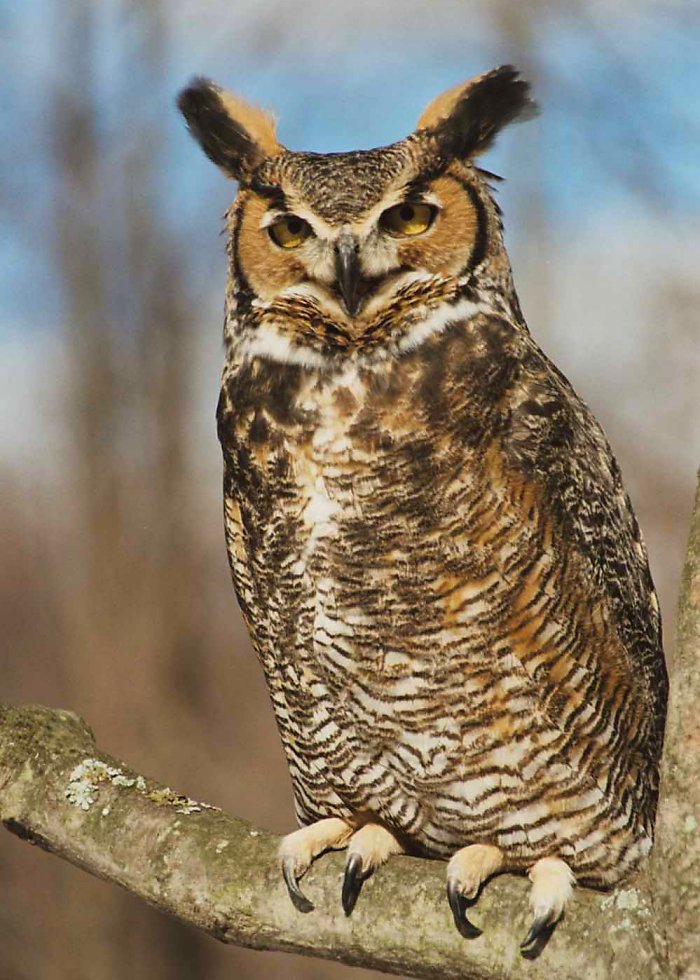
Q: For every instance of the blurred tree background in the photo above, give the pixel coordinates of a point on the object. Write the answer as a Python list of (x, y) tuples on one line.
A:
[(116, 600)]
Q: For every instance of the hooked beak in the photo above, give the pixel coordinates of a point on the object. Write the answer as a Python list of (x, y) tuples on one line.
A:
[(347, 270)]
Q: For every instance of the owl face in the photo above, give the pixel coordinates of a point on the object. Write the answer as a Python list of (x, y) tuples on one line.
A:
[(349, 251)]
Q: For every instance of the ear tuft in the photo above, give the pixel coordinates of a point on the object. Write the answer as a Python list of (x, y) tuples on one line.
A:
[(467, 118), (234, 135)]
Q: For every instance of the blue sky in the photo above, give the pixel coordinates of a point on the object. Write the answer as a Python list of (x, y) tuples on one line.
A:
[(619, 131)]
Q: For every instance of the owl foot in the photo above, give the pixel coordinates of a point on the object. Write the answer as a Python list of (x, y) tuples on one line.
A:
[(466, 872), (552, 887), (369, 848), (298, 850)]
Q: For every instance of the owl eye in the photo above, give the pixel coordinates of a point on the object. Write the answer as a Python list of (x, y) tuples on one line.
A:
[(290, 231), (408, 219)]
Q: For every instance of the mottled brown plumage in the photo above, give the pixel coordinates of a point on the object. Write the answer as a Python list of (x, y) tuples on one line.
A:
[(430, 541)]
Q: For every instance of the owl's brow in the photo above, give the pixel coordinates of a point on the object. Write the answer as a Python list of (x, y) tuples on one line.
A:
[(420, 186), (271, 192)]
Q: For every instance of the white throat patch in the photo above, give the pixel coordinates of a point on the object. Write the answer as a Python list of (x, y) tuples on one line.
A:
[(268, 340)]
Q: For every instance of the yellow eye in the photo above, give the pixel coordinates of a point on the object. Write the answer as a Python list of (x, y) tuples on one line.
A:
[(290, 231), (408, 219)]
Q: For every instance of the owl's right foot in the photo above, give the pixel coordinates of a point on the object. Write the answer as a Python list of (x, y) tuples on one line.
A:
[(298, 851)]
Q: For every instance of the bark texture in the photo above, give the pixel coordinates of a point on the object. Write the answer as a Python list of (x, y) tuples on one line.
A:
[(675, 864), (217, 873)]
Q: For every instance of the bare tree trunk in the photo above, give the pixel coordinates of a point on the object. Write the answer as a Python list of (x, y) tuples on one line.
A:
[(675, 865), (131, 566), (93, 403), (215, 872)]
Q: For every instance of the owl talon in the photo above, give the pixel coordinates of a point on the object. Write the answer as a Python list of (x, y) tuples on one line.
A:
[(552, 887), (352, 882), (299, 849), (540, 926), (458, 904), (467, 871), (299, 899), (368, 848)]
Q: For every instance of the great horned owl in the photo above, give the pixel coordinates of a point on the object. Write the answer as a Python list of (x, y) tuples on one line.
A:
[(429, 537)]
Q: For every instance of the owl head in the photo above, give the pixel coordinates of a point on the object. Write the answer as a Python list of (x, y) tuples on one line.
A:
[(357, 253)]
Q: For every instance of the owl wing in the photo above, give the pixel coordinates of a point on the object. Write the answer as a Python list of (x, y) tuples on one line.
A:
[(552, 439)]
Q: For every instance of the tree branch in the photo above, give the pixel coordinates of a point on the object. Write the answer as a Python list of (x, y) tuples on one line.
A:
[(217, 873), (221, 875)]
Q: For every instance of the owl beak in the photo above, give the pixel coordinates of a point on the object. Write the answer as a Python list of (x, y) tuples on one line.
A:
[(347, 270)]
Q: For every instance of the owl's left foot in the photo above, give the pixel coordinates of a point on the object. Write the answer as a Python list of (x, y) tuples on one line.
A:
[(552, 887)]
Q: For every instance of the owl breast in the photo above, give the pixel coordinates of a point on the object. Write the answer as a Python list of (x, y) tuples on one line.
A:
[(435, 652)]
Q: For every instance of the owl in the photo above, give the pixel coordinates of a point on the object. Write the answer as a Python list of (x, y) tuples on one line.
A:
[(429, 537)]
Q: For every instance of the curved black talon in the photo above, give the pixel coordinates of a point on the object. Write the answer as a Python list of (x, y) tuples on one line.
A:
[(299, 899), (540, 929), (459, 905), (352, 882)]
